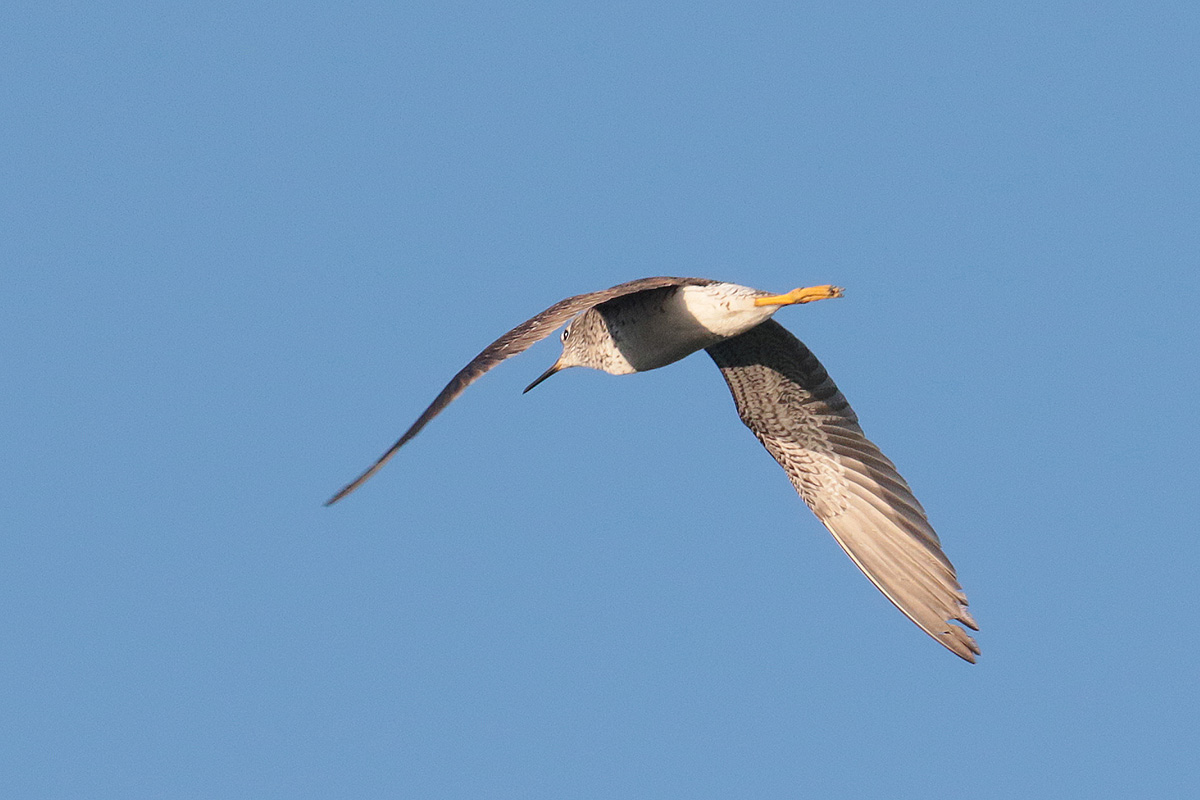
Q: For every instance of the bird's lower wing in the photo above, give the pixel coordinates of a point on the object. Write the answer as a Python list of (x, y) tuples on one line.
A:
[(786, 398)]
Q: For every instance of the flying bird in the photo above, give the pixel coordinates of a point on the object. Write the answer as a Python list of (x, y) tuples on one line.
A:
[(783, 395)]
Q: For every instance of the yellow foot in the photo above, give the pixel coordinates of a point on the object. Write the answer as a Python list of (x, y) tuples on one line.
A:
[(806, 294)]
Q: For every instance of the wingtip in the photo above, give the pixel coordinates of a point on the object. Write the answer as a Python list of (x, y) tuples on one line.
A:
[(350, 487), (961, 643)]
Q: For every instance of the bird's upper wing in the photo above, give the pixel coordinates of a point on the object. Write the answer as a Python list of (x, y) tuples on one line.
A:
[(789, 402), (518, 340)]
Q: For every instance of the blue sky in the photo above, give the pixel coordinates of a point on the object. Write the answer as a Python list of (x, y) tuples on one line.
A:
[(244, 244)]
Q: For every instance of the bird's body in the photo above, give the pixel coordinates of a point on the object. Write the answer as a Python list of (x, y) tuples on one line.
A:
[(787, 400), (652, 329)]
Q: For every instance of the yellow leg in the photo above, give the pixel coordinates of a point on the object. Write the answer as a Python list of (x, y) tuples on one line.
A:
[(805, 294)]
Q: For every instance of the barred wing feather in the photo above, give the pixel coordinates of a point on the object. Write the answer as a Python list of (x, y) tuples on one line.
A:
[(788, 401)]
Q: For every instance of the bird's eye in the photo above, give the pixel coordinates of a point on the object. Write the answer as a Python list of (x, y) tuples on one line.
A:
[(566, 332)]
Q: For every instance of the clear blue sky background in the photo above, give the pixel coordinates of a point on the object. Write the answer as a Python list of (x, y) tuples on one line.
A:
[(244, 244)]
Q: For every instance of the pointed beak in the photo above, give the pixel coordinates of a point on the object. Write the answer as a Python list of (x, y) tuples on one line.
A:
[(555, 367)]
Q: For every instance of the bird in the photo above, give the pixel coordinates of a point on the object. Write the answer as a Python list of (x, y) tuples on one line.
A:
[(782, 394)]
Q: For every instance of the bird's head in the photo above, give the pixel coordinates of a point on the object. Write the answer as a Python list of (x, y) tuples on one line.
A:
[(585, 342)]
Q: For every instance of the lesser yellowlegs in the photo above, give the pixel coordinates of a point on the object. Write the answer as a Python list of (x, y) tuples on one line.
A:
[(783, 395)]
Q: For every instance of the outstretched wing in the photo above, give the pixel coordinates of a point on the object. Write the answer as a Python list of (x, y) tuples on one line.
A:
[(786, 398), (518, 340)]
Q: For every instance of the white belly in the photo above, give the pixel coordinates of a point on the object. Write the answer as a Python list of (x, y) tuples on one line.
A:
[(659, 332)]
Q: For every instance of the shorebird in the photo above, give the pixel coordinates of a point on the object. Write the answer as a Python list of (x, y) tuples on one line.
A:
[(783, 395)]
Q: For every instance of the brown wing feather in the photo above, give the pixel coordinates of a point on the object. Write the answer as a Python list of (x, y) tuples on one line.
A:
[(789, 402), (518, 340)]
